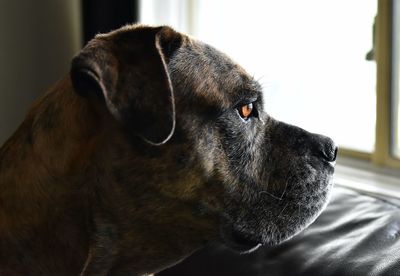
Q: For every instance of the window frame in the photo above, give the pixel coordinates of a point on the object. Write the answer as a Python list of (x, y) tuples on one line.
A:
[(382, 154)]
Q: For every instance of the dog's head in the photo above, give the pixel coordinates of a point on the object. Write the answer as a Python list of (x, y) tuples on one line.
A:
[(200, 138)]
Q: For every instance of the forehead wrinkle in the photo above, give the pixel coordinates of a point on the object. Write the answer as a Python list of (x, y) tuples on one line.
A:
[(232, 79), (251, 90), (192, 72), (201, 70)]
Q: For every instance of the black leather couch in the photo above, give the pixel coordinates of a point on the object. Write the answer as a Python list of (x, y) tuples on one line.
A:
[(358, 234)]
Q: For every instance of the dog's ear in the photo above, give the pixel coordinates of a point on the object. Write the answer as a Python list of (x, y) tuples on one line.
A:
[(127, 68)]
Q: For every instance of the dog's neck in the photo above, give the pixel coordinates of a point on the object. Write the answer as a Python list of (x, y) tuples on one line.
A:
[(47, 168), (42, 203)]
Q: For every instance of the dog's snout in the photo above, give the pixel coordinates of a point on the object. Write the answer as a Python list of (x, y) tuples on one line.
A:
[(304, 142)]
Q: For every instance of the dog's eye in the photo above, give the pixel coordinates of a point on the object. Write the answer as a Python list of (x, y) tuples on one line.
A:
[(245, 111)]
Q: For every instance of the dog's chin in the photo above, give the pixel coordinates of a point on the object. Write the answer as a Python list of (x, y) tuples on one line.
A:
[(238, 241), (279, 220)]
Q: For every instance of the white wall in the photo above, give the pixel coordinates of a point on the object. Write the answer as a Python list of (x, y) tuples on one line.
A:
[(37, 41)]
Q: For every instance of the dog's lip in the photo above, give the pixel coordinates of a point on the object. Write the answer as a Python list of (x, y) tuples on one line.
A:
[(331, 167), (244, 240), (332, 163), (239, 241)]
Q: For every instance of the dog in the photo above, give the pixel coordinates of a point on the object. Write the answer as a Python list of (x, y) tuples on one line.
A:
[(152, 146)]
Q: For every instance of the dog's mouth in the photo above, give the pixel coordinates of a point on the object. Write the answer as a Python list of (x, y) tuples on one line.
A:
[(238, 240), (271, 219)]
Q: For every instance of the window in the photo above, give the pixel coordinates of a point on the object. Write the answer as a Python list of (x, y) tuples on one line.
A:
[(309, 56), (396, 80), (386, 145), (316, 60)]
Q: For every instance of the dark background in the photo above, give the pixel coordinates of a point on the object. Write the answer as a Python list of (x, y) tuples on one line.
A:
[(38, 40), (105, 15)]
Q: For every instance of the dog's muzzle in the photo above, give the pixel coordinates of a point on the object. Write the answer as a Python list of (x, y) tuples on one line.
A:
[(294, 189)]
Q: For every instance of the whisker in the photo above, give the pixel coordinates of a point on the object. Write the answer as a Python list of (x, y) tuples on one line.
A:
[(283, 210), (284, 190), (265, 192)]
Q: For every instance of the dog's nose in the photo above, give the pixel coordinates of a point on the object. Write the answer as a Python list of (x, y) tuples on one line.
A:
[(331, 154), (328, 149)]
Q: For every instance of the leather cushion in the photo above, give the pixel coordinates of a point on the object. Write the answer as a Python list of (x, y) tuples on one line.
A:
[(357, 234)]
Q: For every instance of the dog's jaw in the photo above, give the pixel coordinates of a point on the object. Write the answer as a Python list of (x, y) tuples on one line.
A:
[(271, 220)]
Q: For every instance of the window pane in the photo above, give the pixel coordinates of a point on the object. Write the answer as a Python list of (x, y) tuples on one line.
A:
[(396, 77), (166, 12), (310, 57)]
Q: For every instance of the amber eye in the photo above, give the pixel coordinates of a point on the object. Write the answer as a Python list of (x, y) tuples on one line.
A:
[(246, 110)]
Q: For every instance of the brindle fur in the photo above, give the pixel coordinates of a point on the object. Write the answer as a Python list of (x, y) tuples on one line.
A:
[(84, 190)]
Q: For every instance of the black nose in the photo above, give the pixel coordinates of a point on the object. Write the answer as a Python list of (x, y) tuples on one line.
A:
[(328, 150), (331, 154)]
